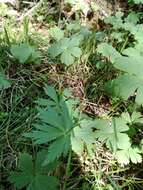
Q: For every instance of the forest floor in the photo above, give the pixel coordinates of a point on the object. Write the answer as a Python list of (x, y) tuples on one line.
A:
[(71, 95)]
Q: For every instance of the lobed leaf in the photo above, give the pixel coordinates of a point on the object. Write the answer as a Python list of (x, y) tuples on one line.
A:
[(56, 33), (112, 132), (131, 154), (32, 175)]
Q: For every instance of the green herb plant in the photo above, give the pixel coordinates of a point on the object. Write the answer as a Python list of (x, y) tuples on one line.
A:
[(66, 48), (31, 174)]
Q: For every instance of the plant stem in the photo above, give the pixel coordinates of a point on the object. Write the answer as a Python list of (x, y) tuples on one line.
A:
[(124, 45), (67, 170)]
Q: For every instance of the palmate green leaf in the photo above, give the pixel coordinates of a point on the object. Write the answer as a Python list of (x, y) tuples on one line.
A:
[(135, 155), (57, 148), (76, 52), (77, 145), (108, 51), (67, 118), (59, 47), (132, 18), (4, 83), (67, 58), (82, 136), (55, 50), (134, 118), (131, 154), (128, 23), (50, 91), (119, 36), (21, 52), (39, 168), (124, 86), (52, 118), (137, 31), (32, 174), (20, 179), (44, 133), (85, 131), (76, 40), (113, 133), (43, 182), (24, 52), (37, 182), (119, 21), (116, 20), (67, 48), (25, 163), (44, 102), (55, 126), (56, 33), (131, 63)]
